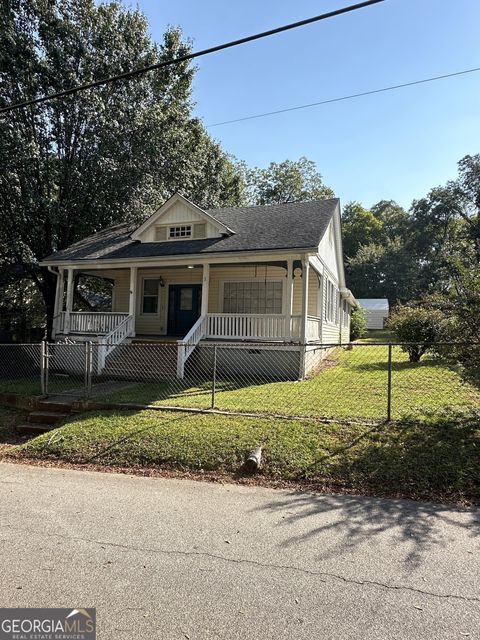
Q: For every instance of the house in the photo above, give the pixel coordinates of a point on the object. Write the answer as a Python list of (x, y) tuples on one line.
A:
[(376, 311), (271, 274)]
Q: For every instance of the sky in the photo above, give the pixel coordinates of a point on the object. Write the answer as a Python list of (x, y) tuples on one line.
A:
[(396, 145)]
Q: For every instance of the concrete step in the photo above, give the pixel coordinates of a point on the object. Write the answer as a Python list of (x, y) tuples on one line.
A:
[(46, 417), (55, 405), (34, 429)]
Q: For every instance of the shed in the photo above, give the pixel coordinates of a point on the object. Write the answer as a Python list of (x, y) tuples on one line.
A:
[(376, 311)]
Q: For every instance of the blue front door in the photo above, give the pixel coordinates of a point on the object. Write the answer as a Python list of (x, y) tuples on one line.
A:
[(184, 304)]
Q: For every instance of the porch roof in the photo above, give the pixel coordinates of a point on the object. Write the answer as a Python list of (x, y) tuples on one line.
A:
[(293, 225)]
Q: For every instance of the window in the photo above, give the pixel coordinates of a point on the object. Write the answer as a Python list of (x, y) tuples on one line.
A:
[(150, 296), (252, 297), (182, 231), (331, 302)]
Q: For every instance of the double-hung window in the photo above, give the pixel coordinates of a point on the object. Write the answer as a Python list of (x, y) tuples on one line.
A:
[(150, 296)]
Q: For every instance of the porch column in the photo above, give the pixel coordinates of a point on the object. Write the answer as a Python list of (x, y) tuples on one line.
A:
[(69, 303), (205, 288), (132, 299), (303, 330), (58, 307), (289, 298), (305, 275)]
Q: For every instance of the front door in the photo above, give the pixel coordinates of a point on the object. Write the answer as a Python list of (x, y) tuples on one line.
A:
[(184, 304)]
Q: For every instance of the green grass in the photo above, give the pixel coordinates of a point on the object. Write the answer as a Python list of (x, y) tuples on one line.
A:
[(352, 383), (30, 386), (433, 459)]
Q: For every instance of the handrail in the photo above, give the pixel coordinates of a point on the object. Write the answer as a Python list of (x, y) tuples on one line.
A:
[(114, 338), (189, 342)]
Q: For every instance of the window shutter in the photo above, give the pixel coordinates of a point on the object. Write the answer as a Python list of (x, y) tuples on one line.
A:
[(199, 230), (160, 233)]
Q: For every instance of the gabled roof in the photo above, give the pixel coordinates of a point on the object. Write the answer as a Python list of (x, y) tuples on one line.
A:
[(292, 225), (374, 304), (177, 197)]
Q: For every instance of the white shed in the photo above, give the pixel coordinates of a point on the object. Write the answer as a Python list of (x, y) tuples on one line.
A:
[(376, 311)]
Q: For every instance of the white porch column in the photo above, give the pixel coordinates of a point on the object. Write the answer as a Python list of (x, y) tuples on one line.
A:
[(69, 302), (289, 298), (58, 306), (205, 289), (303, 330), (132, 299), (305, 276)]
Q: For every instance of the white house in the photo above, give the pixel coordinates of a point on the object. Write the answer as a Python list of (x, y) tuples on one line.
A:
[(270, 273), (376, 311)]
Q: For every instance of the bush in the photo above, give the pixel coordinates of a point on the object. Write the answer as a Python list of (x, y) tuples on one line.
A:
[(419, 326), (358, 324)]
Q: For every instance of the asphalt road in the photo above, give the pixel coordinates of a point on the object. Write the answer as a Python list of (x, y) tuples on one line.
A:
[(170, 559)]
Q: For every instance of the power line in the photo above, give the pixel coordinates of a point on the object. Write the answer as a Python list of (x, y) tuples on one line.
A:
[(340, 99), (191, 56)]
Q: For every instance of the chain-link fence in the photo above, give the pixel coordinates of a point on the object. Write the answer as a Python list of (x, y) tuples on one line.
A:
[(355, 381)]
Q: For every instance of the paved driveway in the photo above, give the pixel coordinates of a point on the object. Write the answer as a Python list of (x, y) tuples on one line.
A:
[(174, 559)]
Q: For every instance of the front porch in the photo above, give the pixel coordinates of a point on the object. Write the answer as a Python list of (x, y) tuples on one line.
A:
[(189, 303)]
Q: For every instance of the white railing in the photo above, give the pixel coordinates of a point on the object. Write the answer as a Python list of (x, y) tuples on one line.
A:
[(188, 344), (236, 326), (314, 328), (85, 322), (108, 342)]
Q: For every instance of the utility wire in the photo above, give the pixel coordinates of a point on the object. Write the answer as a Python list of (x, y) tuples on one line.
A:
[(191, 56), (340, 99)]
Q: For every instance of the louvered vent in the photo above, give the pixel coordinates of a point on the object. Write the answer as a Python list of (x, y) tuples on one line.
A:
[(199, 230), (160, 233)]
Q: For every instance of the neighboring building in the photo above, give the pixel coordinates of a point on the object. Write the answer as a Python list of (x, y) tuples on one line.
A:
[(269, 273), (376, 311)]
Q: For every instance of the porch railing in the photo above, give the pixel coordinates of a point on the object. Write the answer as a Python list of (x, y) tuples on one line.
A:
[(108, 342), (89, 322), (189, 342), (314, 328), (251, 327)]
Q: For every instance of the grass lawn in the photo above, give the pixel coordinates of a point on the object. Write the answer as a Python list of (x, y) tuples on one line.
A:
[(437, 458), (353, 383)]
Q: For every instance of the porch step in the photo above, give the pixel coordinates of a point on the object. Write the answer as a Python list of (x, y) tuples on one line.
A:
[(33, 429), (57, 406), (46, 417)]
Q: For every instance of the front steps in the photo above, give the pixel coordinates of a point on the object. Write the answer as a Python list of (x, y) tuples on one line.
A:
[(46, 417), (141, 361)]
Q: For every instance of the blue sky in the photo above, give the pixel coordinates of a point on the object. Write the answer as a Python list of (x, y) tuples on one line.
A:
[(395, 145)]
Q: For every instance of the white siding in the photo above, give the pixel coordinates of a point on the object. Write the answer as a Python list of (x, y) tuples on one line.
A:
[(179, 213)]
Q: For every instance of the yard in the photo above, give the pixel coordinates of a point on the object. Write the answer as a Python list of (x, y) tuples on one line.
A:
[(434, 459), (350, 384), (430, 452)]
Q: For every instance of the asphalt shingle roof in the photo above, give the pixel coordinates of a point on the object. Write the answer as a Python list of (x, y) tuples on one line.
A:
[(292, 225)]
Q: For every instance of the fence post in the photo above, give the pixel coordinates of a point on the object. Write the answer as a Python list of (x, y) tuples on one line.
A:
[(88, 369), (43, 368), (389, 393), (214, 376)]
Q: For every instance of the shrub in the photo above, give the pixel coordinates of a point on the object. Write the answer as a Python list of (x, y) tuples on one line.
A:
[(419, 326), (358, 324)]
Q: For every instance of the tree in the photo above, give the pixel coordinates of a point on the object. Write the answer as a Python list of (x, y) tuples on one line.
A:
[(417, 327), (286, 181), (75, 165), (360, 228)]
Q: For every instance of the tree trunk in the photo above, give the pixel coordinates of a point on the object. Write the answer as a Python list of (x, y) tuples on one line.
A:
[(48, 289)]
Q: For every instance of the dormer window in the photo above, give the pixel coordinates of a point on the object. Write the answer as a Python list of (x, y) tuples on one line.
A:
[(181, 231)]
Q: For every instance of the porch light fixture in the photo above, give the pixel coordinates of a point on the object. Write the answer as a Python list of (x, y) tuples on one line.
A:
[(161, 282), (191, 266)]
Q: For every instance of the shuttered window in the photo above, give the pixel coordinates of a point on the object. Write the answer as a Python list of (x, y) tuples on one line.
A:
[(199, 230), (160, 233)]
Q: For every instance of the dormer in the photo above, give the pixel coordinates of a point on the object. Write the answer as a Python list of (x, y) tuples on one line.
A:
[(178, 220)]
